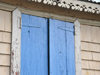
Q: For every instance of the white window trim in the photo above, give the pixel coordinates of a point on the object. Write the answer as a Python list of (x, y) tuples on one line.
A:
[(16, 42)]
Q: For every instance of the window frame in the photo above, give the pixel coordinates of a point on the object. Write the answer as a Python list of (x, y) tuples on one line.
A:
[(15, 53), (15, 64)]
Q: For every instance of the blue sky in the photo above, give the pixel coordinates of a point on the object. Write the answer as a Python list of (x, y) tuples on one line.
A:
[(97, 0)]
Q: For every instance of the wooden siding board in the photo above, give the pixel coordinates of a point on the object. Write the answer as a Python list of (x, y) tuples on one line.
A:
[(92, 56), (90, 34), (88, 72), (92, 65), (96, 56), (4, 70), (5, 60), (86, 55), (1, 20), (4, 48), (97, 72), (5, 37), (90, 47), (5, 21)]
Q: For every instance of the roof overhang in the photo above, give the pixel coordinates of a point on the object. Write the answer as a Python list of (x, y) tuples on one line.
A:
[(73, 5)]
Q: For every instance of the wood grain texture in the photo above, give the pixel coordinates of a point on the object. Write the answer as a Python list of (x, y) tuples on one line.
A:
[(86, 55), (34, 46), (4, 70), (88, 72), (93, 56), (5, 60), (91, 65), (62, 54), (96, 56), (5, 40), (5, 37), (5, 21), (4, 48), (90, 34), (90, 47)]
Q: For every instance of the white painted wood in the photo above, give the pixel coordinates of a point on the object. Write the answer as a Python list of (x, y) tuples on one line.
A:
[(16, 44), (77, 47)]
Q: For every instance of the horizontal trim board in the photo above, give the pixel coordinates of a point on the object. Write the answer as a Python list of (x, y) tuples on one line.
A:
[(47, 15)]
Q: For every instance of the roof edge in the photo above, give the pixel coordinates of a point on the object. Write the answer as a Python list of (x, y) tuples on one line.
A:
[(73, 5)]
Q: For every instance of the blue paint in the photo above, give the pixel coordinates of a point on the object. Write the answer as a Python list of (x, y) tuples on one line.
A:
[(62, 54), (34, 46)]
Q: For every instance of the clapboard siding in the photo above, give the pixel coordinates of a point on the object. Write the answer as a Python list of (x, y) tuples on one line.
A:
[(90, 65), (90, 50), (5, 60), (88, 55), (4, 48), (4, 70), (5, 42), (90, 72), (5, 37), (5, 21), (90, 46), (90, 34)]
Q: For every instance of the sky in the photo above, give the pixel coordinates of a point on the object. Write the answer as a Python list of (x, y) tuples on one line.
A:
[(97, 0)]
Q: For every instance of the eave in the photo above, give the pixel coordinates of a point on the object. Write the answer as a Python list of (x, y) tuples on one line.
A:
[(73, 5)]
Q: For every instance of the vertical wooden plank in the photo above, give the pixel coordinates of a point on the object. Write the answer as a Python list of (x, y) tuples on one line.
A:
[(34, 46), (77, 48), (62, 59), (16, 38), (70, 48)]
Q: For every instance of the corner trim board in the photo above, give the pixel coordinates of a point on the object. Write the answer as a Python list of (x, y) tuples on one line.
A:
[(77, 48), (16, 43)]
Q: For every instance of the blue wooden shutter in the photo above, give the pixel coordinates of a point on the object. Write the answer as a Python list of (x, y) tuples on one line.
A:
[(34, 46), (62, 54)]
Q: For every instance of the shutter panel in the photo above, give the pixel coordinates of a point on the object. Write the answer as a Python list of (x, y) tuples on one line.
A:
[(62, 55), (34, 49)]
